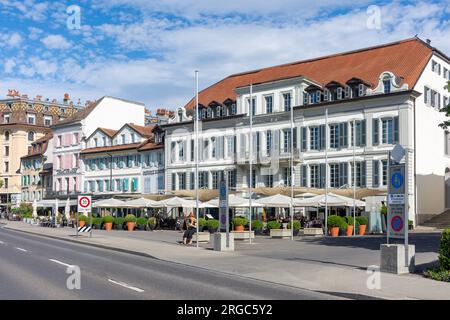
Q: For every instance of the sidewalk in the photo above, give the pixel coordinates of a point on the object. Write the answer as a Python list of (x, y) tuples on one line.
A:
[(339, 279)]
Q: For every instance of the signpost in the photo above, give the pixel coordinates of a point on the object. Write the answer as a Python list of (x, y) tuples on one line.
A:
[(397, 213), (223, 208), (85, 206)]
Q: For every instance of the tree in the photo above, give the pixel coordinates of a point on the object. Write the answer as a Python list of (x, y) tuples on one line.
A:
[(1, 183), (444, 125)]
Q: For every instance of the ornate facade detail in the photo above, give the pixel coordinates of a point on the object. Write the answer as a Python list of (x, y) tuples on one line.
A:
[(55, 110), (38, 108)]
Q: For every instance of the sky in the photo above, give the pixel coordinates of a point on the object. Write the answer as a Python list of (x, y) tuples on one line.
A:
[(148, 51)]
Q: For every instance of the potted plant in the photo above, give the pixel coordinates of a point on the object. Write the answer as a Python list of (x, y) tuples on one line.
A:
[(351, 225), (97, 222), (82, 219), (118, 223), (273, 225), (257, 226), (152, 223), (212, 225), (296, 224), (130, 219), (410, 225), (363, 222), (202, 224), (239, 223), (141, 223), (108, 222), (334, 223)]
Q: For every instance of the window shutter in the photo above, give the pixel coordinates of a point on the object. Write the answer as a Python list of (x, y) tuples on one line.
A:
[(343, 138), (322, 144), (396, 130), (276, 141), (363, 133), (295, 137), (242, 145), (304, 175), (363, 174), (342, 174), (304, 139), (375, 174), (375, 132), (322, 175)]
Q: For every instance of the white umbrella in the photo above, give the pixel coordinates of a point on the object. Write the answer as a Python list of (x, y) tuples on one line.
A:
[(306, 195), (35, 209), (276, 201), (234, 201), (109, 203), (332, 200), (177, 202), (142, 203), (67, 209)]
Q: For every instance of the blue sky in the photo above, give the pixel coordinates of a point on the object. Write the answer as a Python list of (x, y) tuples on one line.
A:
[(148, 50)]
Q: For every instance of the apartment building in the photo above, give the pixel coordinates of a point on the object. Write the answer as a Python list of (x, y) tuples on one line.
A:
[(374, 97)]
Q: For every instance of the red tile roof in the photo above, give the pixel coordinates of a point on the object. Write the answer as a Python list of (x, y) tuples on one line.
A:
[(406, 58), (112, 148), (150, 146), (109, 132), (144, 131)]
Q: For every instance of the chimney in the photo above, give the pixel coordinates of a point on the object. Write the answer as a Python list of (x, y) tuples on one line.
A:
[(429, 42), (38, 98), (66, 97)]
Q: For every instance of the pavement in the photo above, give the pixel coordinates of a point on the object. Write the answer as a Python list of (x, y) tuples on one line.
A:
[(334, 266)]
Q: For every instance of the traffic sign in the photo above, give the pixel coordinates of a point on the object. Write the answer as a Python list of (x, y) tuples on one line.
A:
[(223, 204), (84, 204), (397, 223), (397, 201)]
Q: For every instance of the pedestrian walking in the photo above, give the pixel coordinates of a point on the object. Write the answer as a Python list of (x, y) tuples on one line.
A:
[(191, 225)]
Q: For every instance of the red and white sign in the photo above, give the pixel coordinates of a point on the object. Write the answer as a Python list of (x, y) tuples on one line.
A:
[(84, 203)]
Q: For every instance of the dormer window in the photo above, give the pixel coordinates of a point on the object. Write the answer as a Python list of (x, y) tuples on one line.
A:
[(209, 113), (348, 92), (203, 115), (318, 96), (339, 93), (6, 118), (180, 116), (326, 95), (387, 85), (305, 98), (361, 90)]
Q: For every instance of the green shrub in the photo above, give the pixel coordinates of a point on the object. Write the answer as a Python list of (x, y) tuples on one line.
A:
[(364, 221), (119, 221), (212, 224), (383, 210), (202, 222), (240, 221), (152, 221), (97, 221), (82, 217), (350, 221), (108, 219), (335, 221), (257, 225), (130, 218), (141, 221), (444, 250), (296, 225), (273, 225), (438, 274)]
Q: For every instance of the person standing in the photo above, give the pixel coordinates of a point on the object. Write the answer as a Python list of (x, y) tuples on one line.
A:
[(191, 225)]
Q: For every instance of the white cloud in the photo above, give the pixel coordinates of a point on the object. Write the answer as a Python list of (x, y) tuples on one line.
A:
[(56, 42), (12, 40), (9, 65)]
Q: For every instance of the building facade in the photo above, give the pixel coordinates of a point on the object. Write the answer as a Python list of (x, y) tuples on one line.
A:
[(36, 176), (375, 98), (70, 139), (128, 161), (24, 120)]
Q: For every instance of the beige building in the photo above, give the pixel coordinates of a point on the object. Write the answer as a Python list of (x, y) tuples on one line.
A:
[(22, 121)]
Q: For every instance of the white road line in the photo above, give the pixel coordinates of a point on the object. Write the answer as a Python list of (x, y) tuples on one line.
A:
[(1, 242), (23, 250), (125, 285), (61, 263)]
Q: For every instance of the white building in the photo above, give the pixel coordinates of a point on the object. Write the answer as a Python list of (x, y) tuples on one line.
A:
[(128, 161), (392, 93), (69, 139)]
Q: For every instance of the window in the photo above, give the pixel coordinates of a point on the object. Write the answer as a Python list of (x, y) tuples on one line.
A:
[(385, 172), (59, 141), (360, 134), (334, 136), (360, 174), (339, 93), (104, 141), (123, 139), (446, 74), (305, 98), (326, 95), (314, 176), (232, 179), (6, 184), (6, 118), (287, 141), (6, 135), (31, 118), (387, 85), (389, 130), (192, 182), (314, 138), (215, 180), (445, 102), (213, 148), (182, 181), (253, 106), (192, 150), (361, 90), (268, 142), (6, 166), (31, 136), (268, 181), (6, 151), (233, 109), (446, 143), (181, 150), (334, 175), (426, 95), (287, 101), (95, 142), (76, 138), (269, 104), (287, 176), (47, 120)]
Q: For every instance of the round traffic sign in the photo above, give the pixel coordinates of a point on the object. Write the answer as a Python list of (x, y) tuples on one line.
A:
[(397, 223), (397, 180), (85, 202)]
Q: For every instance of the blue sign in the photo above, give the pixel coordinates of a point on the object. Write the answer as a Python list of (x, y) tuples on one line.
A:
[(397, 180)]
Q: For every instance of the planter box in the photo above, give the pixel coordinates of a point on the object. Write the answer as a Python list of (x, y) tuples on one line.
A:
[(280, 233), (202, 237), (242, 235), (313, 232)]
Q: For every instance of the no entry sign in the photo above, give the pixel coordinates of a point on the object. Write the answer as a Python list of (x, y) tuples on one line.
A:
[(84, 203), (397, 213)]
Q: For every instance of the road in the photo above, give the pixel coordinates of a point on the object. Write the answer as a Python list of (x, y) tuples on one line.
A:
[(34, 267)]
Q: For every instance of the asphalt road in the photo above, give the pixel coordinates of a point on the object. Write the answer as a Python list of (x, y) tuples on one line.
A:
[(34, 267)]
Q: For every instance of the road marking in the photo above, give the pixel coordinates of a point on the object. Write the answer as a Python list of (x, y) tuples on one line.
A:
[(122, 284), (1, 242), (61, 263), (23, 250)]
